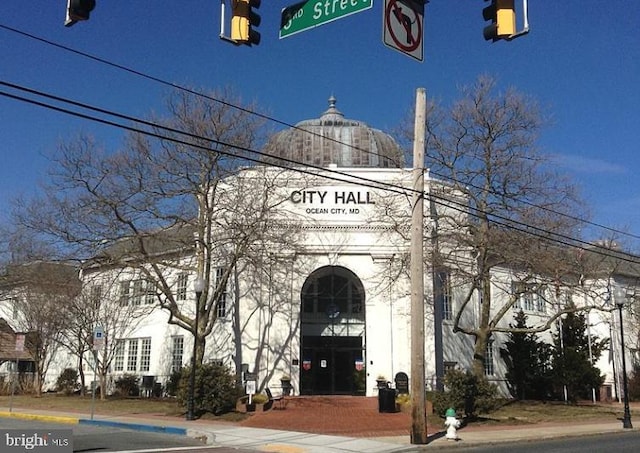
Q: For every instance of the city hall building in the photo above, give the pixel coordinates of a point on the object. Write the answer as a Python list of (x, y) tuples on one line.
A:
[(327, 303)]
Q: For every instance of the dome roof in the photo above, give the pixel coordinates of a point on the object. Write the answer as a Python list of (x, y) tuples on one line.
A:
[(334, 140)]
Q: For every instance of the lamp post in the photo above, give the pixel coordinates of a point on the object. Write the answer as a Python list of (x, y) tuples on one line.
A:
[(620, 297), (198, 287)]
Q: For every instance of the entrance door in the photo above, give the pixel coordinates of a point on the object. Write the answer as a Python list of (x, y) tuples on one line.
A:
[(332, 343), (332, 366)]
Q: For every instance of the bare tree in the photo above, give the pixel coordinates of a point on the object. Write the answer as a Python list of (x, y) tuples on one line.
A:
[(175, 200), (498, 204), (100, 304), (40, 292)]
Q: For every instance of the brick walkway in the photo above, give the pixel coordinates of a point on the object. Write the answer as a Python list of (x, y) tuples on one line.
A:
[(337, 415)]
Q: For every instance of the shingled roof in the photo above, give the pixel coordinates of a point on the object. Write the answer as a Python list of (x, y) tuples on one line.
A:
[(178, 239), (8, 344)]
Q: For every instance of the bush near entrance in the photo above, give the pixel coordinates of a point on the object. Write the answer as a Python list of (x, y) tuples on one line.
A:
[(634, 383), (466, 393), (216, 390), (67, 382)]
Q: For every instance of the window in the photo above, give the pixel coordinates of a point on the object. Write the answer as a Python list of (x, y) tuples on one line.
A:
[(132, 355), (446, 295), (449, 366), (142, 290), (118, 361), (488, 360), (150, 294), (221, 307), (145, 354), (124, 293), (177, 351), (181, 287), (529, 297), (540, 302), (332, 295), (139, 291), (356, 301), (528, 300), (308, 301), (135, 292), (95, 296)]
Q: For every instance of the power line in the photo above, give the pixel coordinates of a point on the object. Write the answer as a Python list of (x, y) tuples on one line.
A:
[(169, 84), (543, 208), (510, 223), (275, 120), (522, 227)]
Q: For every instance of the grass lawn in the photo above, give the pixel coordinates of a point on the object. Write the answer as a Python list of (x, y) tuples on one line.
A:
[(111, 406), (513, 413), (78, 404), (531, 412)]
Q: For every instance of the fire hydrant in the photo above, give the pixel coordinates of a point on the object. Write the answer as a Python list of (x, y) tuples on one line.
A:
[(452, 424)]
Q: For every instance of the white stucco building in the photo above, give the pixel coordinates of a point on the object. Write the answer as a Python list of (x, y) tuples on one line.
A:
[(331, 308)]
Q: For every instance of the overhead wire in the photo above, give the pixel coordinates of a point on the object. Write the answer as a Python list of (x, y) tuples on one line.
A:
[(543, 208), (280, 122), (522, 227), (510, 222)]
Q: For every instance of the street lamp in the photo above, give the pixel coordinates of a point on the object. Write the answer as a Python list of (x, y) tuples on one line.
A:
[(198, 287), (620, 297)]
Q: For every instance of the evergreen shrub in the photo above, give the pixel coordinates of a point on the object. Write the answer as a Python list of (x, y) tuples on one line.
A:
[(173, 384), (67, 382), (466, 393), (216, 389), (634, 383), (128, 385)]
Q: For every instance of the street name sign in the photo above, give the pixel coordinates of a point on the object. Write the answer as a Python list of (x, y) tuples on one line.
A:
[(311, 13)]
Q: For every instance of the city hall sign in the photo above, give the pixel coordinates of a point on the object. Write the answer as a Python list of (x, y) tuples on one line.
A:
[(331, 201)]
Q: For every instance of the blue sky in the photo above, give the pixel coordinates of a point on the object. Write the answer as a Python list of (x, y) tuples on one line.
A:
[(581, 60)]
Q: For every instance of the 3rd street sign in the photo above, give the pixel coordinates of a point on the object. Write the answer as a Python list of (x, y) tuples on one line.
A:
[(311, 13)]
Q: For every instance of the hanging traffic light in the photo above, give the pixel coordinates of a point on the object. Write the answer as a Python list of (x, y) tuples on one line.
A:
[(502, 15), (78, 10), (243, 19)]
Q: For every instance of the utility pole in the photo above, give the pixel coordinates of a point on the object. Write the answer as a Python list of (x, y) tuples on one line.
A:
[(418, 411)]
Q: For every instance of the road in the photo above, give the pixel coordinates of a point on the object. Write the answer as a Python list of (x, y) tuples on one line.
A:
[(88, 438), (623, 442)]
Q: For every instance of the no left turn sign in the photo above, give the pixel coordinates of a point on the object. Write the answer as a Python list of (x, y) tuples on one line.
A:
[(403, 26)]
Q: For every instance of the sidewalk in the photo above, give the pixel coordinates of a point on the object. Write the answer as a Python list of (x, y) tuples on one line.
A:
[(354, 432)]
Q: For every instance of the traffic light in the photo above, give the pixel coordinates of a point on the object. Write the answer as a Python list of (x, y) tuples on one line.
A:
[(243, 19), (78, 10), (502, 15)]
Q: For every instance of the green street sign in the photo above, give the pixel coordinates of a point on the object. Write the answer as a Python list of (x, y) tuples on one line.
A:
[(311, 13)]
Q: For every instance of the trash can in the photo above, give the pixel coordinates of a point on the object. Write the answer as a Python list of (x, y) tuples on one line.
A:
[(386, 400)]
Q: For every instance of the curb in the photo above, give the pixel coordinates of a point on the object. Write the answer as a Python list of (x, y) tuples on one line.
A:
[(135, 426), (207, 438), (204, 437), (46, 418)]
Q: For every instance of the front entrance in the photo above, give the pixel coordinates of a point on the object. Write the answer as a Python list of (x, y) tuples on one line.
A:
[(332, 343), (331, 366)]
